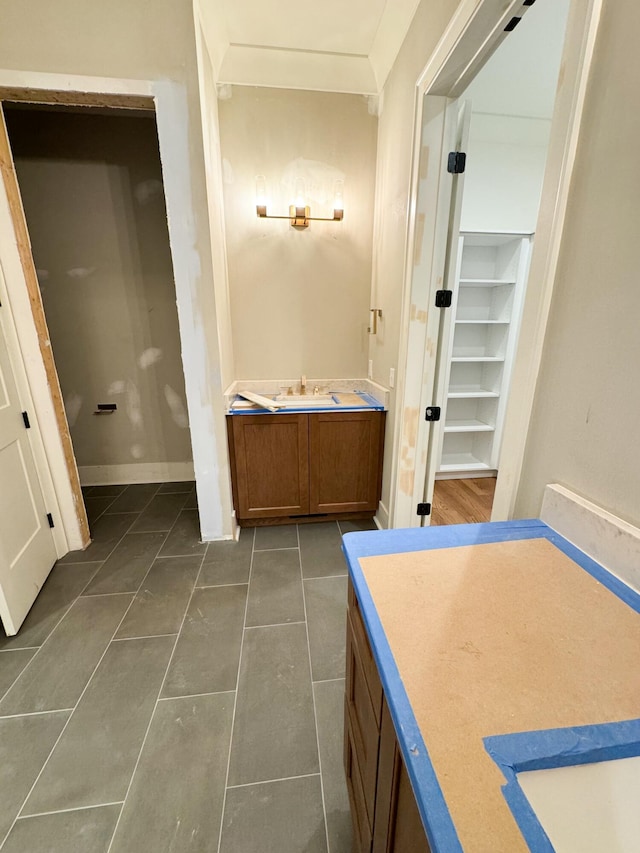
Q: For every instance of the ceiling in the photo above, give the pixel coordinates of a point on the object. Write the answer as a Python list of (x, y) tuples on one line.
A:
[(328, 46)]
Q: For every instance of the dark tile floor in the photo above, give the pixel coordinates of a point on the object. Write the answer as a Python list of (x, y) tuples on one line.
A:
[(166, 695)]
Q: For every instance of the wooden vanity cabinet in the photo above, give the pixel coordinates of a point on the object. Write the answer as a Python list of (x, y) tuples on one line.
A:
[(287, 466), (384, 812), (269, 457)]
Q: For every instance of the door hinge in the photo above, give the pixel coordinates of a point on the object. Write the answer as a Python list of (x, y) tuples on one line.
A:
[(457, 162), (432, 413), (50, 520), (25, 418), (513, 23), (444, 298), (424, 509)]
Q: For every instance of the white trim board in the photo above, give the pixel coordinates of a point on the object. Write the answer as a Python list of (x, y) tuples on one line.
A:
[(611, 541), (136, 472)]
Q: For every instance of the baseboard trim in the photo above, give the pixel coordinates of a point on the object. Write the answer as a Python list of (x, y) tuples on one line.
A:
[(381, 518), (137, 472)]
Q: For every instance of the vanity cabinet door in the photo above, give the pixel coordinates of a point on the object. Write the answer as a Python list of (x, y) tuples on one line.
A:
[(345, 459), (270, 459)]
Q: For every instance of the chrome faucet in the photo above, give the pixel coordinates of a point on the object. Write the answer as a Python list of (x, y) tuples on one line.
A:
[(303, 384)]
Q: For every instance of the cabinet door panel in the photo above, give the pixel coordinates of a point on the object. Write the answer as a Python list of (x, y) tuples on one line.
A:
[(359, 818), (271, 460), (346, 456), (363, 724), (398, 826)]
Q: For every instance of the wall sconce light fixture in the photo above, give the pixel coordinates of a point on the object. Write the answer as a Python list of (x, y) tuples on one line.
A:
[(299, 212)]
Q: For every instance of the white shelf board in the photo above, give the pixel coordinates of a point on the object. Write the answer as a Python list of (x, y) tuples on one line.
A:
[(462, 462), (485, 282), (471, 358), (470, 392), (468, 425), (482, 322)]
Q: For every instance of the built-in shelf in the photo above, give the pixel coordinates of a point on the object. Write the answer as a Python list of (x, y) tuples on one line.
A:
[(469, 392), (476, 358), (482, 330), (484, 282), (470, 425), (482, 322), (462, 462)]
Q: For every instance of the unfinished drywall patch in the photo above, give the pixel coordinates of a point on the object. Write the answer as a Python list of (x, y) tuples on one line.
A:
[(92, 191)]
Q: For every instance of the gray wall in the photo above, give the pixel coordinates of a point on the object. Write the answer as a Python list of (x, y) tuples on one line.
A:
[(91, 185), (584, 429)]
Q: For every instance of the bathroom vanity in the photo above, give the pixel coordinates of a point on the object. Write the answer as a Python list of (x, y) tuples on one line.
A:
[(311, 461), (476, 653)]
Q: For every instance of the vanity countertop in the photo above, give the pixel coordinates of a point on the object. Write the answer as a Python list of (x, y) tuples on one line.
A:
[(341, 401), (501, 647)]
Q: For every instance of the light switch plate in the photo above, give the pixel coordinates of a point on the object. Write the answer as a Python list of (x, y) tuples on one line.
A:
[(370, 369), (392, 377)]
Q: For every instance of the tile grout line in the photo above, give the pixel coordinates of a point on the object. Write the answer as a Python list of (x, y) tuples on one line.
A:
[(143, 637), (84, 500), (186, 496), (73, 809), (288, 548), (39, 648), (215, 585), (147, 503), (84, 690), (166, 672), (64, 728), (270, 781), (237, 690), (313, 695), (195, 695), (35, 713), (21, 649), (274, 625)]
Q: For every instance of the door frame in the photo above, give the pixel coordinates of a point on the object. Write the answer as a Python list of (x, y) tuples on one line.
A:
[(473, 34), (170, 100)]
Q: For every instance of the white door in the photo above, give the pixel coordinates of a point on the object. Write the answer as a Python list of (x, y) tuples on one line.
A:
[(445, 123), (27, 550), (445, 335)]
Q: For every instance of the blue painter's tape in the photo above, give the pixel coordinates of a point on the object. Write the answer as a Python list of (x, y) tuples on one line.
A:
[(544, 750), (436, 818)]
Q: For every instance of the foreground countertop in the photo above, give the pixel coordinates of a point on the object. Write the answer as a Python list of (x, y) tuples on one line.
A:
[(501, 647)]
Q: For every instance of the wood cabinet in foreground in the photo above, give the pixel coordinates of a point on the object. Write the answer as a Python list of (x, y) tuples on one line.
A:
[(292, 467), (384, 812)]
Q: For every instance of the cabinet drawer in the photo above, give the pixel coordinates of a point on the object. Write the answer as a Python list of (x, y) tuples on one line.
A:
[(362, 835), (363, 726), (369, 667)]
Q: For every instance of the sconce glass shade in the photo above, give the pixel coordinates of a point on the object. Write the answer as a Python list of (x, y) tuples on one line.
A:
[(261, 195), (299, 193), (338, 199), (338, 195), (299, 212)]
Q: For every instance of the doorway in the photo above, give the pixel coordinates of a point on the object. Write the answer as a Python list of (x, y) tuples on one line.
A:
[(419, 453), (91, 186), (511, 103)]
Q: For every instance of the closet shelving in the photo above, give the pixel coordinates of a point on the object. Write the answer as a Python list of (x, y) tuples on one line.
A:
[(487, 303)]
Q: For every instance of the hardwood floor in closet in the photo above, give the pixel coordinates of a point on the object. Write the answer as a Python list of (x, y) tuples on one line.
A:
[(462, 501)]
